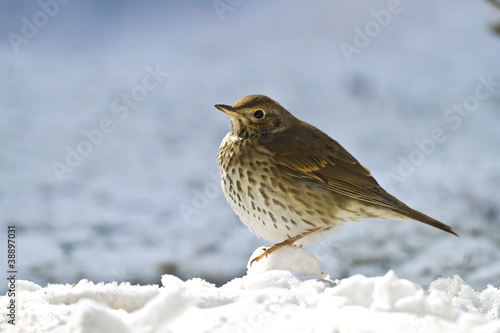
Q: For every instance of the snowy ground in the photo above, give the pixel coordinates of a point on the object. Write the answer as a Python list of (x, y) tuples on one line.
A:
[(264, 300), (144, 200)]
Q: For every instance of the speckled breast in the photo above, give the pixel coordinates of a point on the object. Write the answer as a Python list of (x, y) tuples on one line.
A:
[(273, 205)]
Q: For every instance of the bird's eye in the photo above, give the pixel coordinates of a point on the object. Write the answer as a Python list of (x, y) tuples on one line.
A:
[(258, 114)]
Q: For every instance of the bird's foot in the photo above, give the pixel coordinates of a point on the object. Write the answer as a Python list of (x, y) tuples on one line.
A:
[(271, 250), (278, 246)]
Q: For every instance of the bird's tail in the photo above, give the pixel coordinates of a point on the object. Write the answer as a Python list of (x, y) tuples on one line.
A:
[(421, 217), (403, 210)]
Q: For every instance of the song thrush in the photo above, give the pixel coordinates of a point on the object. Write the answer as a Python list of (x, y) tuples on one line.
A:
[(289, 181)]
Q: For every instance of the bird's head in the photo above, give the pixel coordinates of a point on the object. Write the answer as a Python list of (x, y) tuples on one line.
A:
[(254, 115)]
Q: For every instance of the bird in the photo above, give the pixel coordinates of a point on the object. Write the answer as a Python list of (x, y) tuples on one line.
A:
[(289, 182)]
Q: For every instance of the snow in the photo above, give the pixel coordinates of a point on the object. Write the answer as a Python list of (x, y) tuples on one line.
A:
[(146, 202), (264, 300), (303, 261)]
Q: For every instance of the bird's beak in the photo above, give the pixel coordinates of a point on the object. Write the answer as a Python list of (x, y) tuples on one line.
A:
[(227, 109)]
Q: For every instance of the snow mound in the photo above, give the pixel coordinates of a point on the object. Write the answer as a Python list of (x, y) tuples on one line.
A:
[(265, 300), (292, 258)]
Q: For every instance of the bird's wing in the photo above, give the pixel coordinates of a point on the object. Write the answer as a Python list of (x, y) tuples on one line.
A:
[(312, 155)]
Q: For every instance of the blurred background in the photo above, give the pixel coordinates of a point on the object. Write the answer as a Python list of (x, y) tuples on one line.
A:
[(108, 134)]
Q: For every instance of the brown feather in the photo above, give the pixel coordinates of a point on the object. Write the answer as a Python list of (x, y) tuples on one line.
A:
[(307, 153)]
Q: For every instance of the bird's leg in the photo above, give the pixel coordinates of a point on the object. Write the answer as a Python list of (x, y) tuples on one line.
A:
[(278, 246)]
